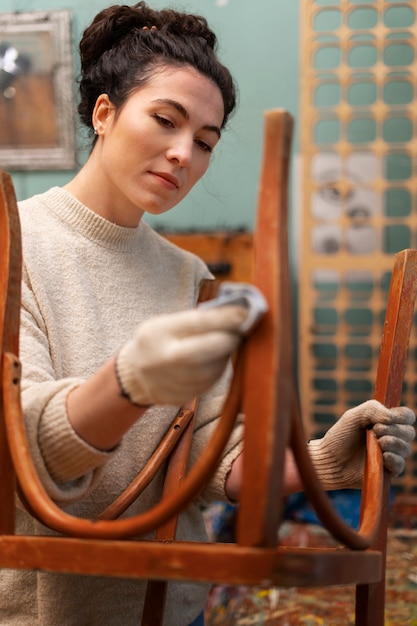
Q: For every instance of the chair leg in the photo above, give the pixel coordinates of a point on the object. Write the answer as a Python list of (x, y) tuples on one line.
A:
[(370, 599), (370, 604)]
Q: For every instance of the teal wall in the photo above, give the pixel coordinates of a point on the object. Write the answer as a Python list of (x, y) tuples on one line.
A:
[(259, 43)]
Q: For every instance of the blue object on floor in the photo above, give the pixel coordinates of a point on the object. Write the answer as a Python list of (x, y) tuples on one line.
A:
[(346, 502), (199, 620)]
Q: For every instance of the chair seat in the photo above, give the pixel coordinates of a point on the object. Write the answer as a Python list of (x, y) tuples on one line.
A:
[(232, 564)]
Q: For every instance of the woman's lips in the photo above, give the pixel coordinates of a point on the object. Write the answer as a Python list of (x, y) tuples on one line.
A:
[(167, 179)]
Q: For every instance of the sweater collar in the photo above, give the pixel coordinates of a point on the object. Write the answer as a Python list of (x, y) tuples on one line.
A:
[(92, 226)]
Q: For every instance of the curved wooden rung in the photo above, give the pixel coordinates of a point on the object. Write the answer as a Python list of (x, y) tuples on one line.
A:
[(388, 389), (397, 328), (10, 285), (10, 262), (44, 509), (171, 438), (320, 501)]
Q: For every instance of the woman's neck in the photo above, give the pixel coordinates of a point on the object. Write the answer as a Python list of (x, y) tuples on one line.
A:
[(91, 188)]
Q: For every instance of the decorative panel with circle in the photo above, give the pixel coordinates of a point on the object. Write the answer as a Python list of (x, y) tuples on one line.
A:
[(359, 207)]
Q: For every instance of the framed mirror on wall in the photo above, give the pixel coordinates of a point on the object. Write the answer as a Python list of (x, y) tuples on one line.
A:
[(37, 121)]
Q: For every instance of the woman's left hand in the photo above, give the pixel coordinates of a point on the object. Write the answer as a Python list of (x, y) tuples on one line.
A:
[(339, 456)]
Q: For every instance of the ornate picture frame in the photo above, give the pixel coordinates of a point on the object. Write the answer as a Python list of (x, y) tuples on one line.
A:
[(37, 120)]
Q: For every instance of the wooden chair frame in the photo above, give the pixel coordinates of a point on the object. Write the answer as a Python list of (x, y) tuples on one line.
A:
[(263, 386)]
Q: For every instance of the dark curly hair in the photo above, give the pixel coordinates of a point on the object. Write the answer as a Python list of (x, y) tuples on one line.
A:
[(125, 45)]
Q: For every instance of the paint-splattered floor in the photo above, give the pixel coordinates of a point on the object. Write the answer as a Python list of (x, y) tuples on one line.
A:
[(230, 606)]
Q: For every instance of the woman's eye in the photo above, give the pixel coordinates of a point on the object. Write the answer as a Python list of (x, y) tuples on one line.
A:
[(204, 146), (163, 121)]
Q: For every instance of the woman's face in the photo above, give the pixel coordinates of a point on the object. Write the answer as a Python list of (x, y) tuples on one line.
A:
[(149, 155)]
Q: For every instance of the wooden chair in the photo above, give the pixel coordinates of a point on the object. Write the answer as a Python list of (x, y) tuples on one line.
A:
[(264, 387)]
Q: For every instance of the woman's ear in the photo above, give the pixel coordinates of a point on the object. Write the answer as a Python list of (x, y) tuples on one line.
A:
[(103, 114)]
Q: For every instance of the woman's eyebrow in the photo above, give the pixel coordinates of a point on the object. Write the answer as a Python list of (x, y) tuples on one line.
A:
[(183, 111)]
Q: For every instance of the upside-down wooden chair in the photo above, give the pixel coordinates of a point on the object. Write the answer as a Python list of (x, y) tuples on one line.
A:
[(263, 387)]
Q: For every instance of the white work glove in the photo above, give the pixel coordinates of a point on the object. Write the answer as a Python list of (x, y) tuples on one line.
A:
[(171, 358), (339, 456)]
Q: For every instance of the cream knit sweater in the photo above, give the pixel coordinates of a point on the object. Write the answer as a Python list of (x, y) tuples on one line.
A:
[(87, 283)]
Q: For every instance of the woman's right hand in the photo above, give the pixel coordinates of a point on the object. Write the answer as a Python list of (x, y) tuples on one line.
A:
[(174, 357)]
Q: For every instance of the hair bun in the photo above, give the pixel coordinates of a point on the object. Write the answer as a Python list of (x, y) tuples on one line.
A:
[(111, 25), (186, 26)]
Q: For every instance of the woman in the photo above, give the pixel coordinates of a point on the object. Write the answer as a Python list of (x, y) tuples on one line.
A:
[(111, 343)]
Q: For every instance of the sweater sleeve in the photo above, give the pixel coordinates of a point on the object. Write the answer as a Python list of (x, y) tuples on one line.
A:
[(67, 466)]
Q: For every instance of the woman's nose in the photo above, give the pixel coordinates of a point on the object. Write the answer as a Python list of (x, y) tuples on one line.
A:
[(181, 151)]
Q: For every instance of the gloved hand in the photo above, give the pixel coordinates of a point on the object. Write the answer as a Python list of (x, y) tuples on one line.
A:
[(172, 358), (340, 455)]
